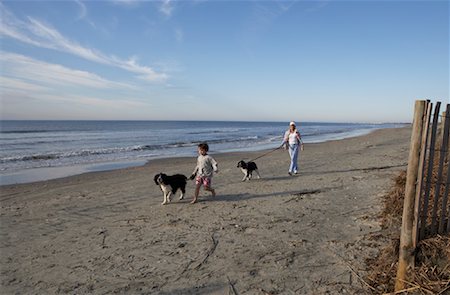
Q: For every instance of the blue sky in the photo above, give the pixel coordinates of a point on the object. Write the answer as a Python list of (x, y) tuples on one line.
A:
[(332, 61)]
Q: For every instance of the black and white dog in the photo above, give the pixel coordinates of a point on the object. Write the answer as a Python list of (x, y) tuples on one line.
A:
[(248, 168), (170, 184)]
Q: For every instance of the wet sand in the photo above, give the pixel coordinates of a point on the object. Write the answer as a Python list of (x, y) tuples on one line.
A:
[(107, 232)]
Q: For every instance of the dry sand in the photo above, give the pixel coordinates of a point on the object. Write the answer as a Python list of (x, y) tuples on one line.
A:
[(106, 232)]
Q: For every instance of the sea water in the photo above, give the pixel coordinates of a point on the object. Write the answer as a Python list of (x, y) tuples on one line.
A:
[(38, 150)]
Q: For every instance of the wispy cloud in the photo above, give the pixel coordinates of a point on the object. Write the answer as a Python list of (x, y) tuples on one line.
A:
[(317, 6), (166, 7), (127, 3), (25, 79), (263, 15), (12, 98), (42, 73), (20, 85), (37, 33), (83, 10), (96, 102)]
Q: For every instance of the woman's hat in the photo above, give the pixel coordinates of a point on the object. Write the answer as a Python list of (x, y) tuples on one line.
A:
[(292, 123)]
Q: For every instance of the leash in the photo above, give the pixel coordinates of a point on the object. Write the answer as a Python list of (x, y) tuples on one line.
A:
[(265, 154)]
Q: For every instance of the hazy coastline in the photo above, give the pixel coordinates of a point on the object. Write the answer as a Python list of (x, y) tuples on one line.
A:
[(36, 151)]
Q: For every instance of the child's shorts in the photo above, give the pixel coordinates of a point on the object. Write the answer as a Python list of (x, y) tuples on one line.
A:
[(205, 181)]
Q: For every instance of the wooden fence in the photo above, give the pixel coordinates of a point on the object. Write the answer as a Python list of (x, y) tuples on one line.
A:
[(426, 209)]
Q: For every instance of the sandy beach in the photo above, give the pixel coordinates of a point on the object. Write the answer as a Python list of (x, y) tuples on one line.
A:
[(107, 232)]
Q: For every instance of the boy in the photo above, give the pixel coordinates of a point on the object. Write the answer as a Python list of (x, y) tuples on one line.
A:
[(203, 172)]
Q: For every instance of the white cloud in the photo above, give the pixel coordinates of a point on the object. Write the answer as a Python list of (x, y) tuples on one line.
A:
[(27, 83), (13, 28), (20, 104), (127, 3), (166, 8), (42, 73), (19, 85), (38, 34), (83, 10), (145, 73), (97, 102)]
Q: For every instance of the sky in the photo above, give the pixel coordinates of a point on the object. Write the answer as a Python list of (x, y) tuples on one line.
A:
[(316, 61)]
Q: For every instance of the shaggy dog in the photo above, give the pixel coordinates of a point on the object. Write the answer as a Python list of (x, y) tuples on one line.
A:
[(248, 168), (170, 184)]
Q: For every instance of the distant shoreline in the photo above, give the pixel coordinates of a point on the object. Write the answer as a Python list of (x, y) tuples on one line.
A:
[(49, 173)]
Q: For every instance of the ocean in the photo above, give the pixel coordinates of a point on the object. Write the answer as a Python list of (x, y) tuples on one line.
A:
[(40, 150)]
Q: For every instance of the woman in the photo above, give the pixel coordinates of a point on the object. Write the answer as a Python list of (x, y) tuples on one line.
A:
[(292, 140)]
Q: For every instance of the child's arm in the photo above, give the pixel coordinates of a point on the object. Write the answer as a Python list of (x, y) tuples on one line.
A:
[(194, 173), (214, 165)]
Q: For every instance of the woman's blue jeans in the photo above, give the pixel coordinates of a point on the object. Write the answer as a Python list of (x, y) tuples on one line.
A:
[(293, 152)]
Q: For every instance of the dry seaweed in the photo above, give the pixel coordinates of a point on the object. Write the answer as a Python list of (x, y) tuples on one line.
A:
[(432, 272)]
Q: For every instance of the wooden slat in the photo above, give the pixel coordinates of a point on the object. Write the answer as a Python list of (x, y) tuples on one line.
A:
[(437, 190), (424, 215), (406, 250), (445, 214), (420, 178), (448, 225), (444, 203), (443, 117)]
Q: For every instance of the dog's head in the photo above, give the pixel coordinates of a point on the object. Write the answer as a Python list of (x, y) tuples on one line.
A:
[(159, 178), (242, 164)]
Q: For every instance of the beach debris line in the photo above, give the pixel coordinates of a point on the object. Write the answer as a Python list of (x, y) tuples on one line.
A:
[(335, 253), (103, 232), (308, 192), (231, 285), (302, 193), (210, 251)]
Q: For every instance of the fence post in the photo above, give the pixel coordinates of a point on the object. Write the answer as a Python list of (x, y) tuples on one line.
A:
[(420, 172), (406, 251)]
